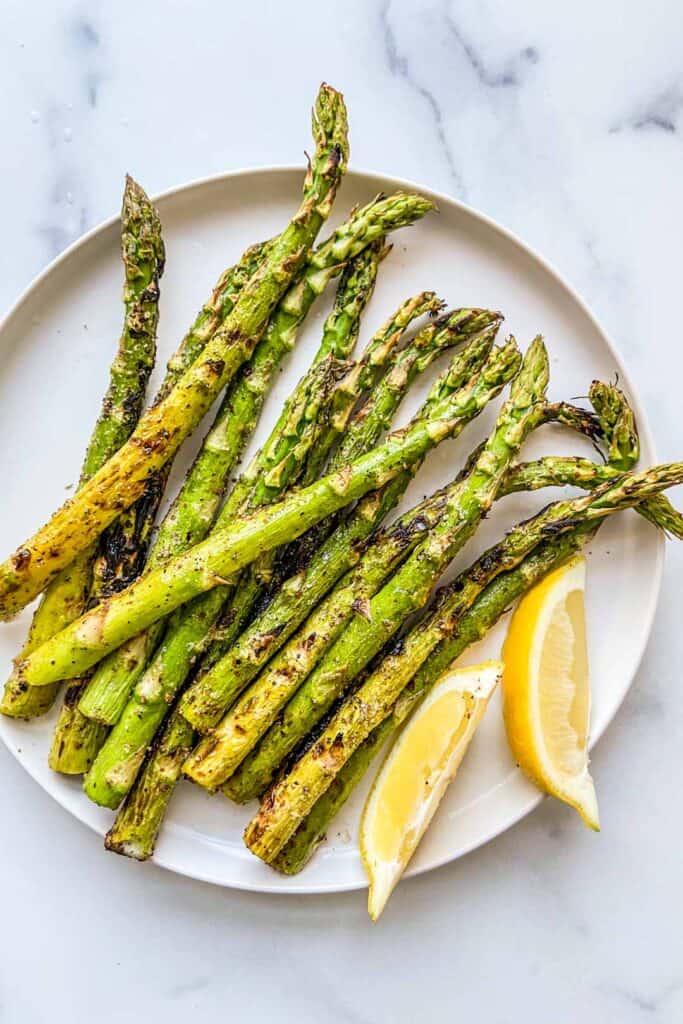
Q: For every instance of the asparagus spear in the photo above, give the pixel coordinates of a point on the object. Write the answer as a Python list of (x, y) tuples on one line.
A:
[(161, 430), (143, 254), (618, 424), (298, 432), (123, 546), (374, 377), (142, 250), (376, 415), (553, 471), (139, 824), (136, 827), (214, 690), (409, 589), (360, 378), (220, 752), (196, 506), (295, 794), (75, 740)]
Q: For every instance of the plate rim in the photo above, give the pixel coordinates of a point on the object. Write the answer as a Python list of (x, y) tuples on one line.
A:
[(380, 180)]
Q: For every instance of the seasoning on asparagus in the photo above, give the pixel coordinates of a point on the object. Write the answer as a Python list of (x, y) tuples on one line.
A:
[(409, 588), (463, 367), (194, 510), (161, 430), (136, 826), (123, 545), (358, 434), (227, 745), (233, 604), (574, 471), (225, 677), (134, 526), (149, 814), (169, 669), (299, 431), (65, 599), (618, 422), (210, 563)]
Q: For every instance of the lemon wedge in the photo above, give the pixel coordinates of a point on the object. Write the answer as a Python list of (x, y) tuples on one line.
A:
[(546, 689), (416, 772)]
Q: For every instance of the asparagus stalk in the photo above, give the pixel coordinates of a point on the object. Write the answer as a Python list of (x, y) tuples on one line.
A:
[(136, 827), (296, 433), (143, 254), (120, 551), (219, 754), (196, 506), (618, 424), (295, 794), (161, 430), (75, 740), (375, 416), (123, 546), (244, 400), (215, 689), (65, 599), (361, 378), (408, 590), (573, 471), (109, 564), (371, 378)]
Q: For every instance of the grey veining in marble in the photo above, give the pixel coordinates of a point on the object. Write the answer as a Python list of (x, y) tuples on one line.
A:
[(562, 121)]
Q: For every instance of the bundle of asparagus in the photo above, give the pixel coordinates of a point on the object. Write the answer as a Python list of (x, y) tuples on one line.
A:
[(277, 632)]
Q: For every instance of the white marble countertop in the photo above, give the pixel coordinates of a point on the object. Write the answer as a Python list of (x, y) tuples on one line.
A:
[(565, 124)]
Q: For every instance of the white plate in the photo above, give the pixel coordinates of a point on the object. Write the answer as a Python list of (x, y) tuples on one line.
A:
[(56, 346)]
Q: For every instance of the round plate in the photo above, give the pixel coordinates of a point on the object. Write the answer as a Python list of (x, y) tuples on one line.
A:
[(56, 346)]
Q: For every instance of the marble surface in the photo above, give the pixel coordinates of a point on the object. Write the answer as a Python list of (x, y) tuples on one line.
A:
[(565, 124)]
